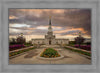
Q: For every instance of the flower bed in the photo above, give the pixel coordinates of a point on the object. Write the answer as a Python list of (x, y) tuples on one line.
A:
[(14, 47), (20, 51), (85, 47), (49, 53)]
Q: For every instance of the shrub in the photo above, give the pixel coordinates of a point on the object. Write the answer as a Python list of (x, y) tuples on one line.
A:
[(71, 42)]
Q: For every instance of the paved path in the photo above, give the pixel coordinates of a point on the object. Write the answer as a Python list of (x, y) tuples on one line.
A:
[(69, 58)]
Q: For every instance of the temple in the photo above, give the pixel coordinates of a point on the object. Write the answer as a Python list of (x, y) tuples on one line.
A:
[(50, 38)]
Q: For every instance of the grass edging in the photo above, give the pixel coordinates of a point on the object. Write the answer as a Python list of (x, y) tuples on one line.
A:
[(19, 52), (79, 51), (16, 55)]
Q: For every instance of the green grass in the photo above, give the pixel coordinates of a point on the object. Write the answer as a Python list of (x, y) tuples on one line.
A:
[(20, 51), (79, 51), (28, 44)]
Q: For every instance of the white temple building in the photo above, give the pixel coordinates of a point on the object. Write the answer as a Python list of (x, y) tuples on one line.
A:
[(50, 38)]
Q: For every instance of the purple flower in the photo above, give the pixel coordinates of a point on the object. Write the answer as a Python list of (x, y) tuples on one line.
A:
[(16, 46), (85, 47)]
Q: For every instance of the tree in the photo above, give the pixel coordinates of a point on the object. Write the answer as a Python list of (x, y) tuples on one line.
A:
[(79, 40), (20, 39)]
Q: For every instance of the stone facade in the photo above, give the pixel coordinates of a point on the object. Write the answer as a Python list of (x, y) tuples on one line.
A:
[(50, 38)]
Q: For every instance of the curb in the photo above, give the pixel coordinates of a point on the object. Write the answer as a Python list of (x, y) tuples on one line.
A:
[(57, 58), (81, 54), (17, 55)]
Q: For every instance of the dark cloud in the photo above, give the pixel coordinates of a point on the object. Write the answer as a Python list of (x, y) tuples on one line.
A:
[(72, 18)]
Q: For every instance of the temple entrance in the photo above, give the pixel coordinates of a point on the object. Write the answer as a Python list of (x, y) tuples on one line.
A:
[(49, 42)]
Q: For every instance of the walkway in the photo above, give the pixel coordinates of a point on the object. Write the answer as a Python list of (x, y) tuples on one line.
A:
[(69, 58)]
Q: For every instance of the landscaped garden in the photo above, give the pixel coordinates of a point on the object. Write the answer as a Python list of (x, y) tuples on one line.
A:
[(85, 47), (16, 46), (79, 51), (81, 43), (82, 46), (18, 43), (20, 51), (50, 53)]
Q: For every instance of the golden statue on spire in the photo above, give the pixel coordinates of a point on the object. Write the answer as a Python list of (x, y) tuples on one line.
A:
[(50, 17)]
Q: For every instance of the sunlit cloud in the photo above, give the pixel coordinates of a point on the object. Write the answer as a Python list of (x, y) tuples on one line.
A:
[(42, 27), (72, 29), (13, 17), (65, 22), (19, 25), (14, 30)]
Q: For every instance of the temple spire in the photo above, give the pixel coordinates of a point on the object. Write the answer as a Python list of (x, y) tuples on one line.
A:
[(49, 20), (49, 28)]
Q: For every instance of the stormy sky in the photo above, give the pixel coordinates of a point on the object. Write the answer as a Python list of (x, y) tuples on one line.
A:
[(65, 22)]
